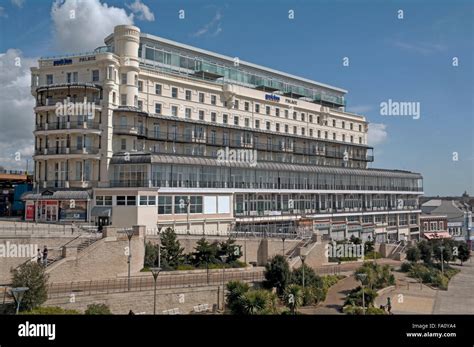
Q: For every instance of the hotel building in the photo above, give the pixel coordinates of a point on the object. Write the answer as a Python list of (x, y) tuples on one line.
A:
[(135, 131)]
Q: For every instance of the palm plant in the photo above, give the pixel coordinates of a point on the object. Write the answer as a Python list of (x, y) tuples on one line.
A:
[(293, 297)]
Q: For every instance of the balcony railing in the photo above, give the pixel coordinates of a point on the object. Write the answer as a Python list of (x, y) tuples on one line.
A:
[(66, 150), (68, 125), (54, 101)]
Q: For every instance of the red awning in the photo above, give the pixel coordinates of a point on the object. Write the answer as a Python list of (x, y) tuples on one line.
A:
[(435, 235)]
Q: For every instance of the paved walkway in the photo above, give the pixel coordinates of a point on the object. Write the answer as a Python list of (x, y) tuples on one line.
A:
[(459, 298)]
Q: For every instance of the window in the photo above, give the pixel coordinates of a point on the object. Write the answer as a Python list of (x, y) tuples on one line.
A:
[(103, 200), (247, 122), (140, 86), (180, 204), (49, 79), (277, 112), (131, 200), (174, 92), (360, 127), (147, 200), (236, 120), (310, 118), (95, 75), (213, 117), (360, 140), (247, 106), (225, 118), (392, 220), (333, 136), (267, 110), (352, 138), (286, 128), (257, 123), (268, 125), (213, 99), (158, 89), (311, 132), (124, 78), (123, 99), (158, 108), (188, 95), (295, 115), (257, 108), (303, 117), (121, 200), (343, 125), (140, 104), (302, 131), (333, 122), (165, 205), (195, 205), (236, 104), (123, 144), (201, 115), (287, 113), (343, 137), (201, 98), (187, 113), (174, 111), (413, 219), (135, 80), (277, 126), (295, 130), (351, 126), (319, 133)]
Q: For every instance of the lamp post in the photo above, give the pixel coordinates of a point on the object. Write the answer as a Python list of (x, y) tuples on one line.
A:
[(361, 277), (17, 294), (303, 258), (283, 240), (159, 246), (441, 248), (155, 271), (129, 233), (224, 260)]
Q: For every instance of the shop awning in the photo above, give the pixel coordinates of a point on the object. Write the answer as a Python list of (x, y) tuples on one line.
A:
[(440, 235), (101, 211)]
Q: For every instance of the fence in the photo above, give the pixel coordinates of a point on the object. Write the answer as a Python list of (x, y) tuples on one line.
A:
[(143, 283), (29, 228)]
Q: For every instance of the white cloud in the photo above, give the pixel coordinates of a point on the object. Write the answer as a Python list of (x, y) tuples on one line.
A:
[(213, 28), (142, 11), (424, 48), (18, 3), (82, 25), (377, 133), (16, 103)]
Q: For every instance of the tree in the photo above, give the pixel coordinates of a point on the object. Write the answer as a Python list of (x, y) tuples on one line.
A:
[(235, 291), (205, 253), (255, 302), (464, 253), (97, 309), (355, 297), (231, 250), (310, 277), (444, 248), (31, 275), (426, 251), (151, 255), (413, 254), (171, 250), (277, 274), (293, 297), (368, 247)]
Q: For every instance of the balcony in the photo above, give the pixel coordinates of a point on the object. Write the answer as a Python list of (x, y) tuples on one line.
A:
[(52, 102), (67, 151), (68, 184), (68, 125)]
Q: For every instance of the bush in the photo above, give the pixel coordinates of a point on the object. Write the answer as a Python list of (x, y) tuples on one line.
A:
[(185, 267), (353, 310), (355, 297), (330, 280), (293, 297), (413, 254), (405, 267), (310, 277), (440, 281), (375, 311), (50, 311), (277, 274), (31, 275), (372, 255), (235, 290), (97, 309), (255, 302)]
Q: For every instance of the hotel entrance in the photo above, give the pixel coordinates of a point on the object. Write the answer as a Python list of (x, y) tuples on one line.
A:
[(47, 211)]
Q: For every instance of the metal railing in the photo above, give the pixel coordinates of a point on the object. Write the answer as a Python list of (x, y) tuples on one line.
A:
[(142, 283)]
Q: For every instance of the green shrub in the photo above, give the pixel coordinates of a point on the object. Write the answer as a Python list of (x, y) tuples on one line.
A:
[(97, 309), (50, 311), (440, 281), (405, 267), (185, 267), (355, 297), (330, 280), (33, 276), (371, 255), (277, 274), (353, 310), (375, 311)]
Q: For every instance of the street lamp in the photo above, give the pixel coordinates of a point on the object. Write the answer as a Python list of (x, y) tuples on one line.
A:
[(17, 294), (441, 248), (283, 240), (155, 271), (362, 277), (159, 246), (303, 258), (129, 233), (224, 260)]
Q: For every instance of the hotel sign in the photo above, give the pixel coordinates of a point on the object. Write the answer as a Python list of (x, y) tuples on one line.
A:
[(290, 101), (62, 62), (272, 97), (84, 59), (336, 227), (322, 225), (354, 227)]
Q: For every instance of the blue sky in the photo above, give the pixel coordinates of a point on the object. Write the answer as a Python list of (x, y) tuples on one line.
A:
[(407, 59)]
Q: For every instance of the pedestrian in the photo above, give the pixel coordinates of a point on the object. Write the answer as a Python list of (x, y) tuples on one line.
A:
[(389, 305), (39, 256), (45, 256), (73, 226)]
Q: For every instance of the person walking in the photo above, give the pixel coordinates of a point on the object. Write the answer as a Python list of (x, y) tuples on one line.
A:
[(389, 305), (45, 256)]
